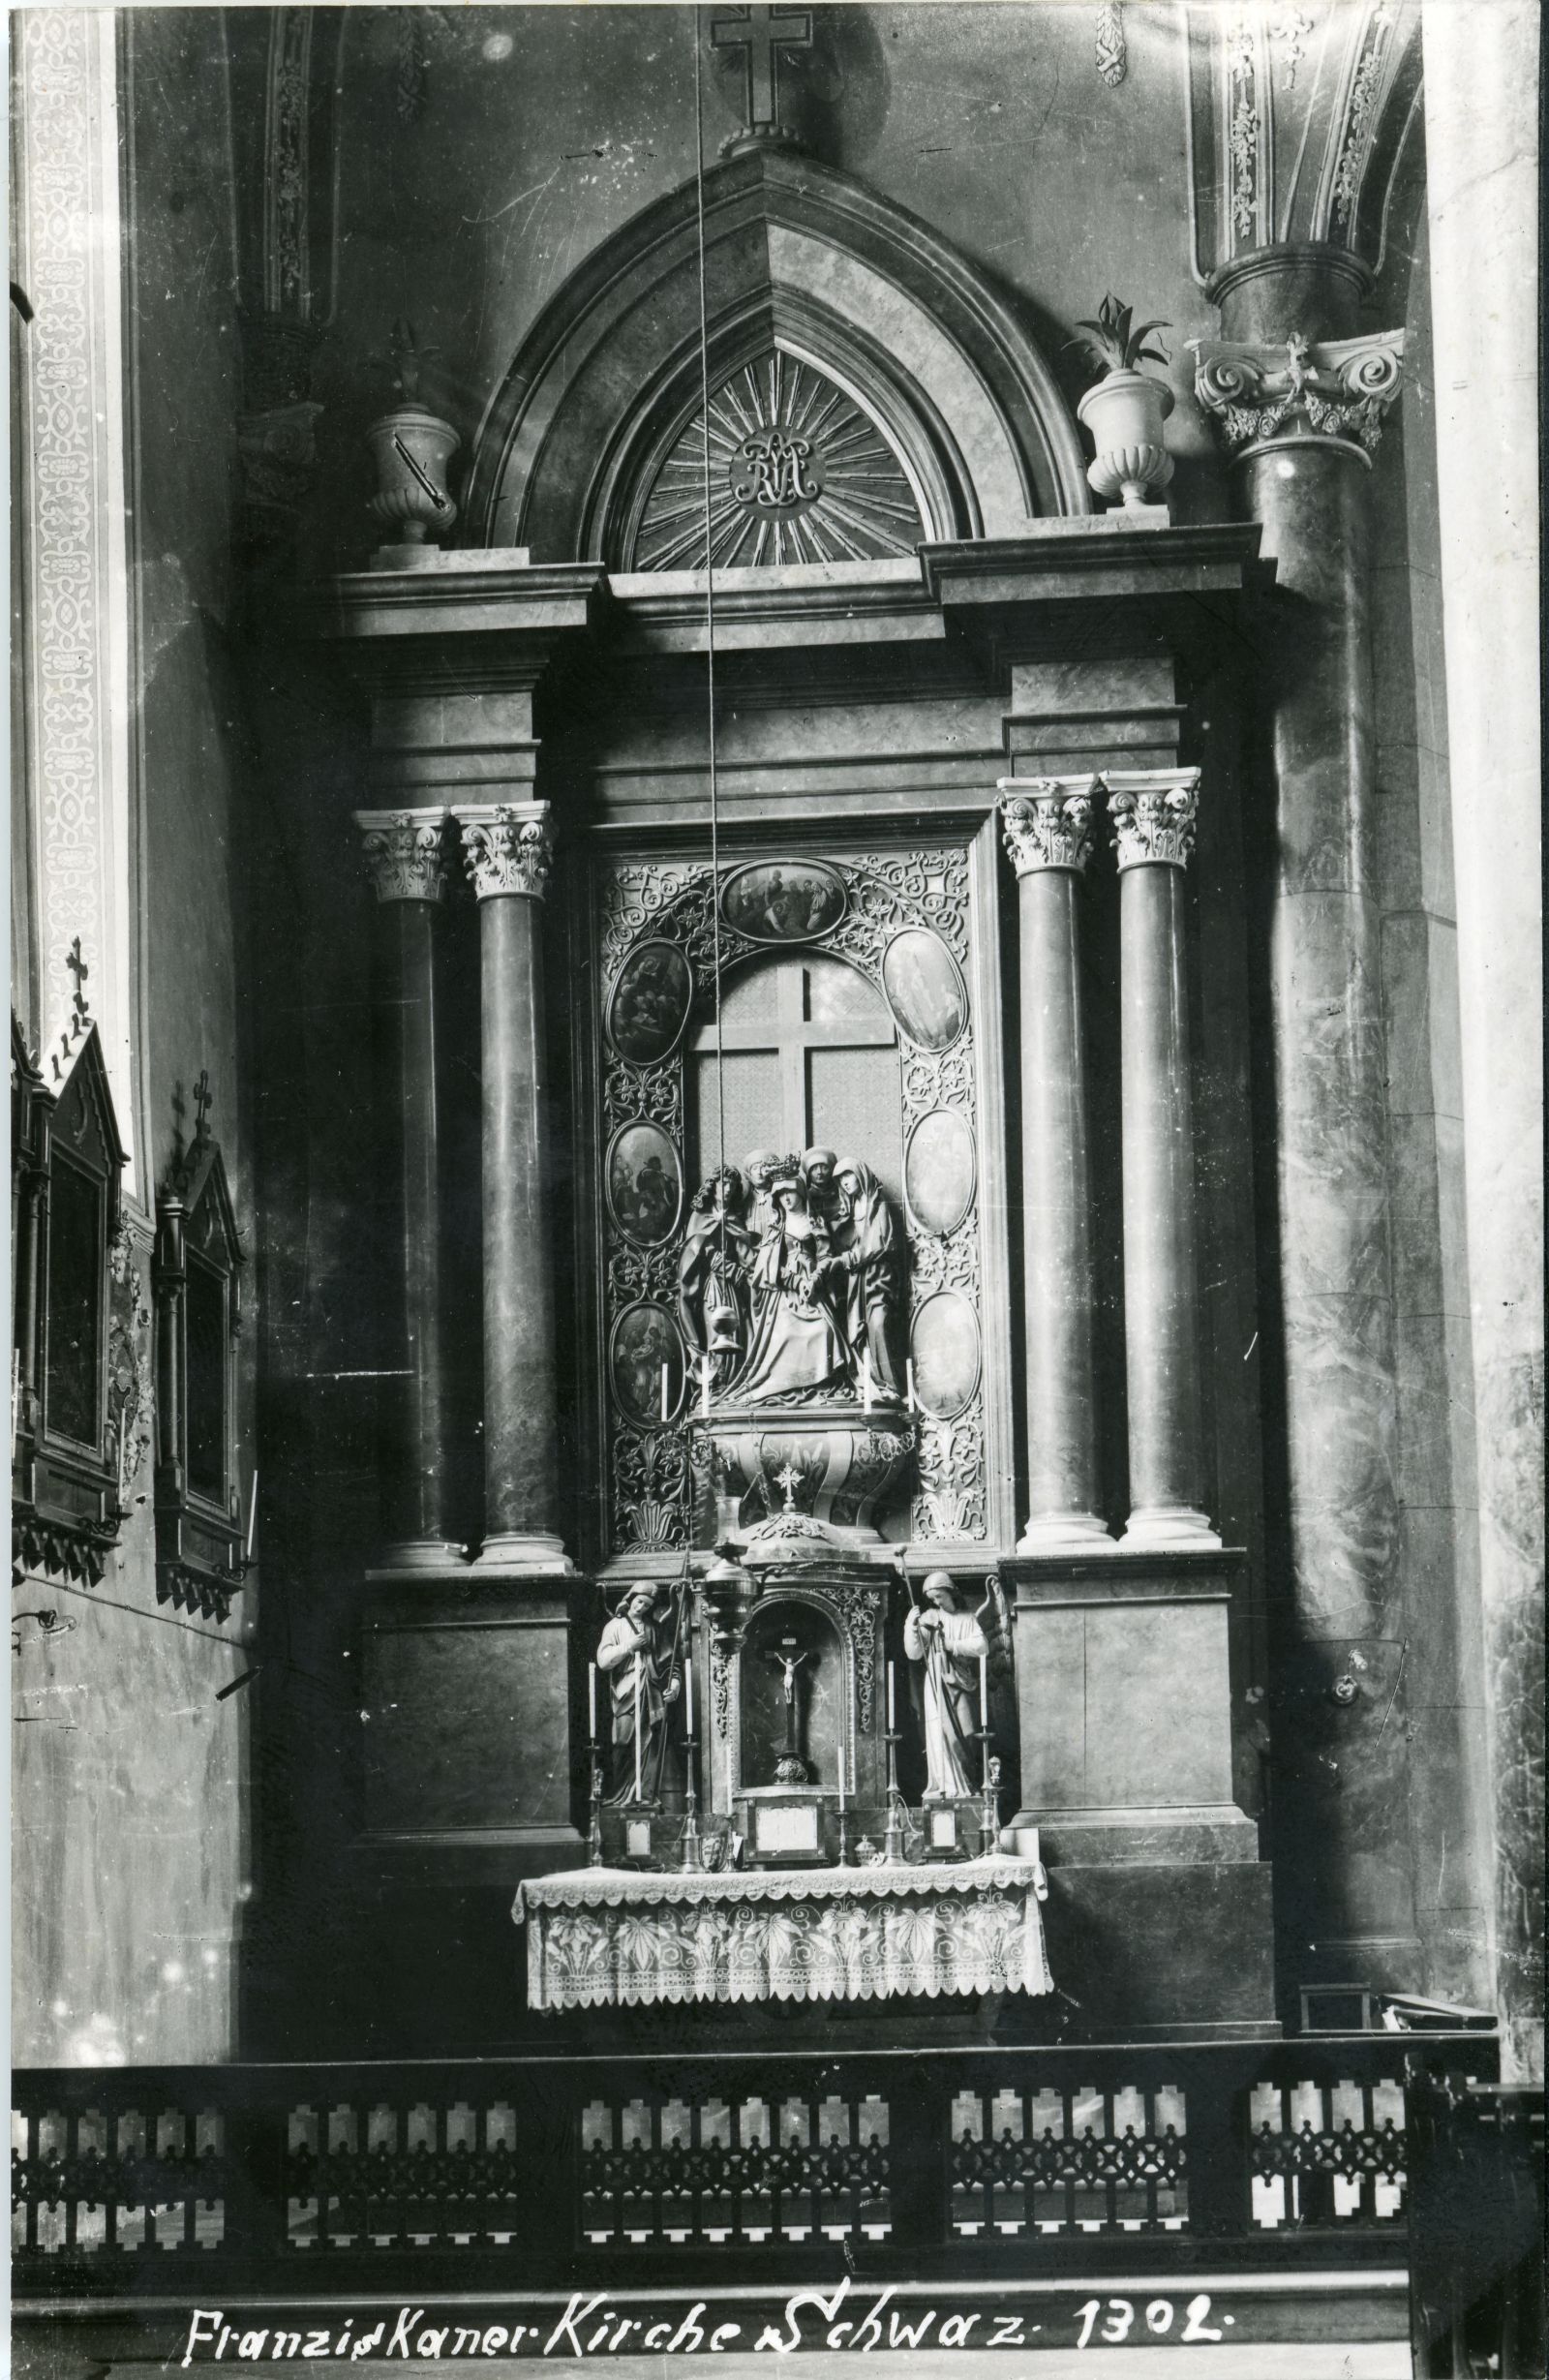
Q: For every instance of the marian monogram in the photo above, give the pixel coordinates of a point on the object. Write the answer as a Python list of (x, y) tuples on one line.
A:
[(776, 471)]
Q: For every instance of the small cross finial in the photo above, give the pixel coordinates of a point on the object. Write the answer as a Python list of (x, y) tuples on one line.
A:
[(761, 33), (203, 1100), (79, 969), (790, 1478)]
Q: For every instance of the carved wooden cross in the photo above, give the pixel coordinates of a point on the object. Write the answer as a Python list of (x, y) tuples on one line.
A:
[(203, 1100), (790, 1478), (79, 969), (762, 33)]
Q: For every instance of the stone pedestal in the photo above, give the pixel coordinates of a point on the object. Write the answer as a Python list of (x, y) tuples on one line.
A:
[(406, 858), (1153, 813), (1047, 829), (1125, 1711)]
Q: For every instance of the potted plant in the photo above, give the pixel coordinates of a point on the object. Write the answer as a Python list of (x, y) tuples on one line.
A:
[(1126, 410), (411, 450)]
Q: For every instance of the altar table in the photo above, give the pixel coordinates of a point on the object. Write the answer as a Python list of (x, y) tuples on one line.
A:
[(611, 1938)]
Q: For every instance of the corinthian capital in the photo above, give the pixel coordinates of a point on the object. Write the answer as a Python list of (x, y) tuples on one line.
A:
[(1153, 813), (1048, 821), (508, 847), (1331, 388), (404, 852)]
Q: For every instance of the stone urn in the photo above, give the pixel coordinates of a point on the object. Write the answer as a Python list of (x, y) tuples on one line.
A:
[(1124, 412), (411, 448)]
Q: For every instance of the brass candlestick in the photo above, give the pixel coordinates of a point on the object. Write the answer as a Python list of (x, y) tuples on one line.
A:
[(990, 1799), (892, 1840), (594, 1831), (692, 1861)]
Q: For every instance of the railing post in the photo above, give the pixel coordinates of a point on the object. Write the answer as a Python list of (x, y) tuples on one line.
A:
[(258, 2215), (918, 2116), (1218, 2170)]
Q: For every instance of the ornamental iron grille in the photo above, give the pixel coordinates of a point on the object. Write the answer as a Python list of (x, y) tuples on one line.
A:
[(798, 471), (650, 1480)]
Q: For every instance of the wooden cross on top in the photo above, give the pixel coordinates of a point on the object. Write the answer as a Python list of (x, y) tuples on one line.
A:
[(79, 969), (761, 34), (203, 1100), (790, 1478)]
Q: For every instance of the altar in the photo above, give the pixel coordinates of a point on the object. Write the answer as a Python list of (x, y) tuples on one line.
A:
[(610, 1937)]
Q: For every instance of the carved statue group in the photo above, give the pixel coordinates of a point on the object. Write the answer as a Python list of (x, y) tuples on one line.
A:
[(789, 1280)]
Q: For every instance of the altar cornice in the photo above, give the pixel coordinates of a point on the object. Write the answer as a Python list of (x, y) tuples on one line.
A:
[(487, 618)]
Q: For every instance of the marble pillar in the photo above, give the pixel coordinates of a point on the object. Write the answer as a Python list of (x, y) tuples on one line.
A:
[(1482, 144), (1299, 396), (1046, 822), (509, 854), (1153, 813), (406, 859)]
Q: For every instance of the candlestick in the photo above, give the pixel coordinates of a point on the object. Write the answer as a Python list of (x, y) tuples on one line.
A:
[(892, 1840), (639, 1749), (594, 1831), (592, 1697), (252, 1512)]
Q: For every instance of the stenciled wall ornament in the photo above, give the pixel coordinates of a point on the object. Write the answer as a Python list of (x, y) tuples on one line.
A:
[(900, 920)]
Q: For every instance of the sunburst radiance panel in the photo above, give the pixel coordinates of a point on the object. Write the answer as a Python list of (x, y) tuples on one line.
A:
[(797, 473)]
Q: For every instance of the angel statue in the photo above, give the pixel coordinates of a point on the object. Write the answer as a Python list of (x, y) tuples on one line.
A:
[(641, 1684), (949, 1644)]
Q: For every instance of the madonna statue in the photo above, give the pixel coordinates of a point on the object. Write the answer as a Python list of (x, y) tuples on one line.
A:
[(796, 1340)]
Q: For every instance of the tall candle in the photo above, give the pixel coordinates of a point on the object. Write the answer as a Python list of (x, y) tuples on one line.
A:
[(706, 1369), (253, 1509), (688, 1688), (639, 1749), (913, 1399), (892, 1713), (866, 1380), (664, 1392), (591, 1697), (983, 1692), (842, 1779)]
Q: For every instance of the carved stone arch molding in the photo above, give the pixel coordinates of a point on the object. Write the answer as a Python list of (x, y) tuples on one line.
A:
[(798, 257)]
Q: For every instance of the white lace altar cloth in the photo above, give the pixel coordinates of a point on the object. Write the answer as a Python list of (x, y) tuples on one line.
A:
[(612, 1938)]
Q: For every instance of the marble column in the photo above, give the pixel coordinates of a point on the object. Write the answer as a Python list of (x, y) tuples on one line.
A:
[(406, 859), (1481, 146), (1046, 822), (1153, 813), (1301, 408), (508, 850)]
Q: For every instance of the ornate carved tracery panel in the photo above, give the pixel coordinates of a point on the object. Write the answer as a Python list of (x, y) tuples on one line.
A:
[(798, 471), (904, 923)]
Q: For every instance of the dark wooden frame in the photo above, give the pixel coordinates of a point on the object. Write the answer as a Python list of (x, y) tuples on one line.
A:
[(199, 1562), (65, 1486)]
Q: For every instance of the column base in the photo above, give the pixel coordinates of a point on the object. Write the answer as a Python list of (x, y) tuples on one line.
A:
[(543, 1554), (1175, 1527), (1066, 1533), (424, 1553)]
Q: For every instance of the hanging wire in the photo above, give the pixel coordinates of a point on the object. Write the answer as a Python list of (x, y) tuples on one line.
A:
[(710, 593)]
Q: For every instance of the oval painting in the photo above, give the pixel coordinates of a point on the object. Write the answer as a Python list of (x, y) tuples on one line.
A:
[(944, 1348), (646, 1365), (651, 1002), (783, 901), (939, 1172), (924, 989), (643, 1183)]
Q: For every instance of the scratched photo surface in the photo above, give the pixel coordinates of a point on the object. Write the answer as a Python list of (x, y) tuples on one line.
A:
[(776, 1195)]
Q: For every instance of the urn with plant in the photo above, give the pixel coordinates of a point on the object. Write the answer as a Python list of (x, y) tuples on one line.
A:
[(1125, 409), (411, 450)]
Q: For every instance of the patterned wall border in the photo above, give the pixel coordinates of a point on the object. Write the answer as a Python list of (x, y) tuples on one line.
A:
[(648, 1471), (75, 583)]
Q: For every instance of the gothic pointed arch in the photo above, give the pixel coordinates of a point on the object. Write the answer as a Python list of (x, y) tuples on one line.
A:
[(819, 293)]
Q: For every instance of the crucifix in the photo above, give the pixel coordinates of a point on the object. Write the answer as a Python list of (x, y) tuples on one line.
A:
[(203, 1100), (761, 34), (790, 1768)]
